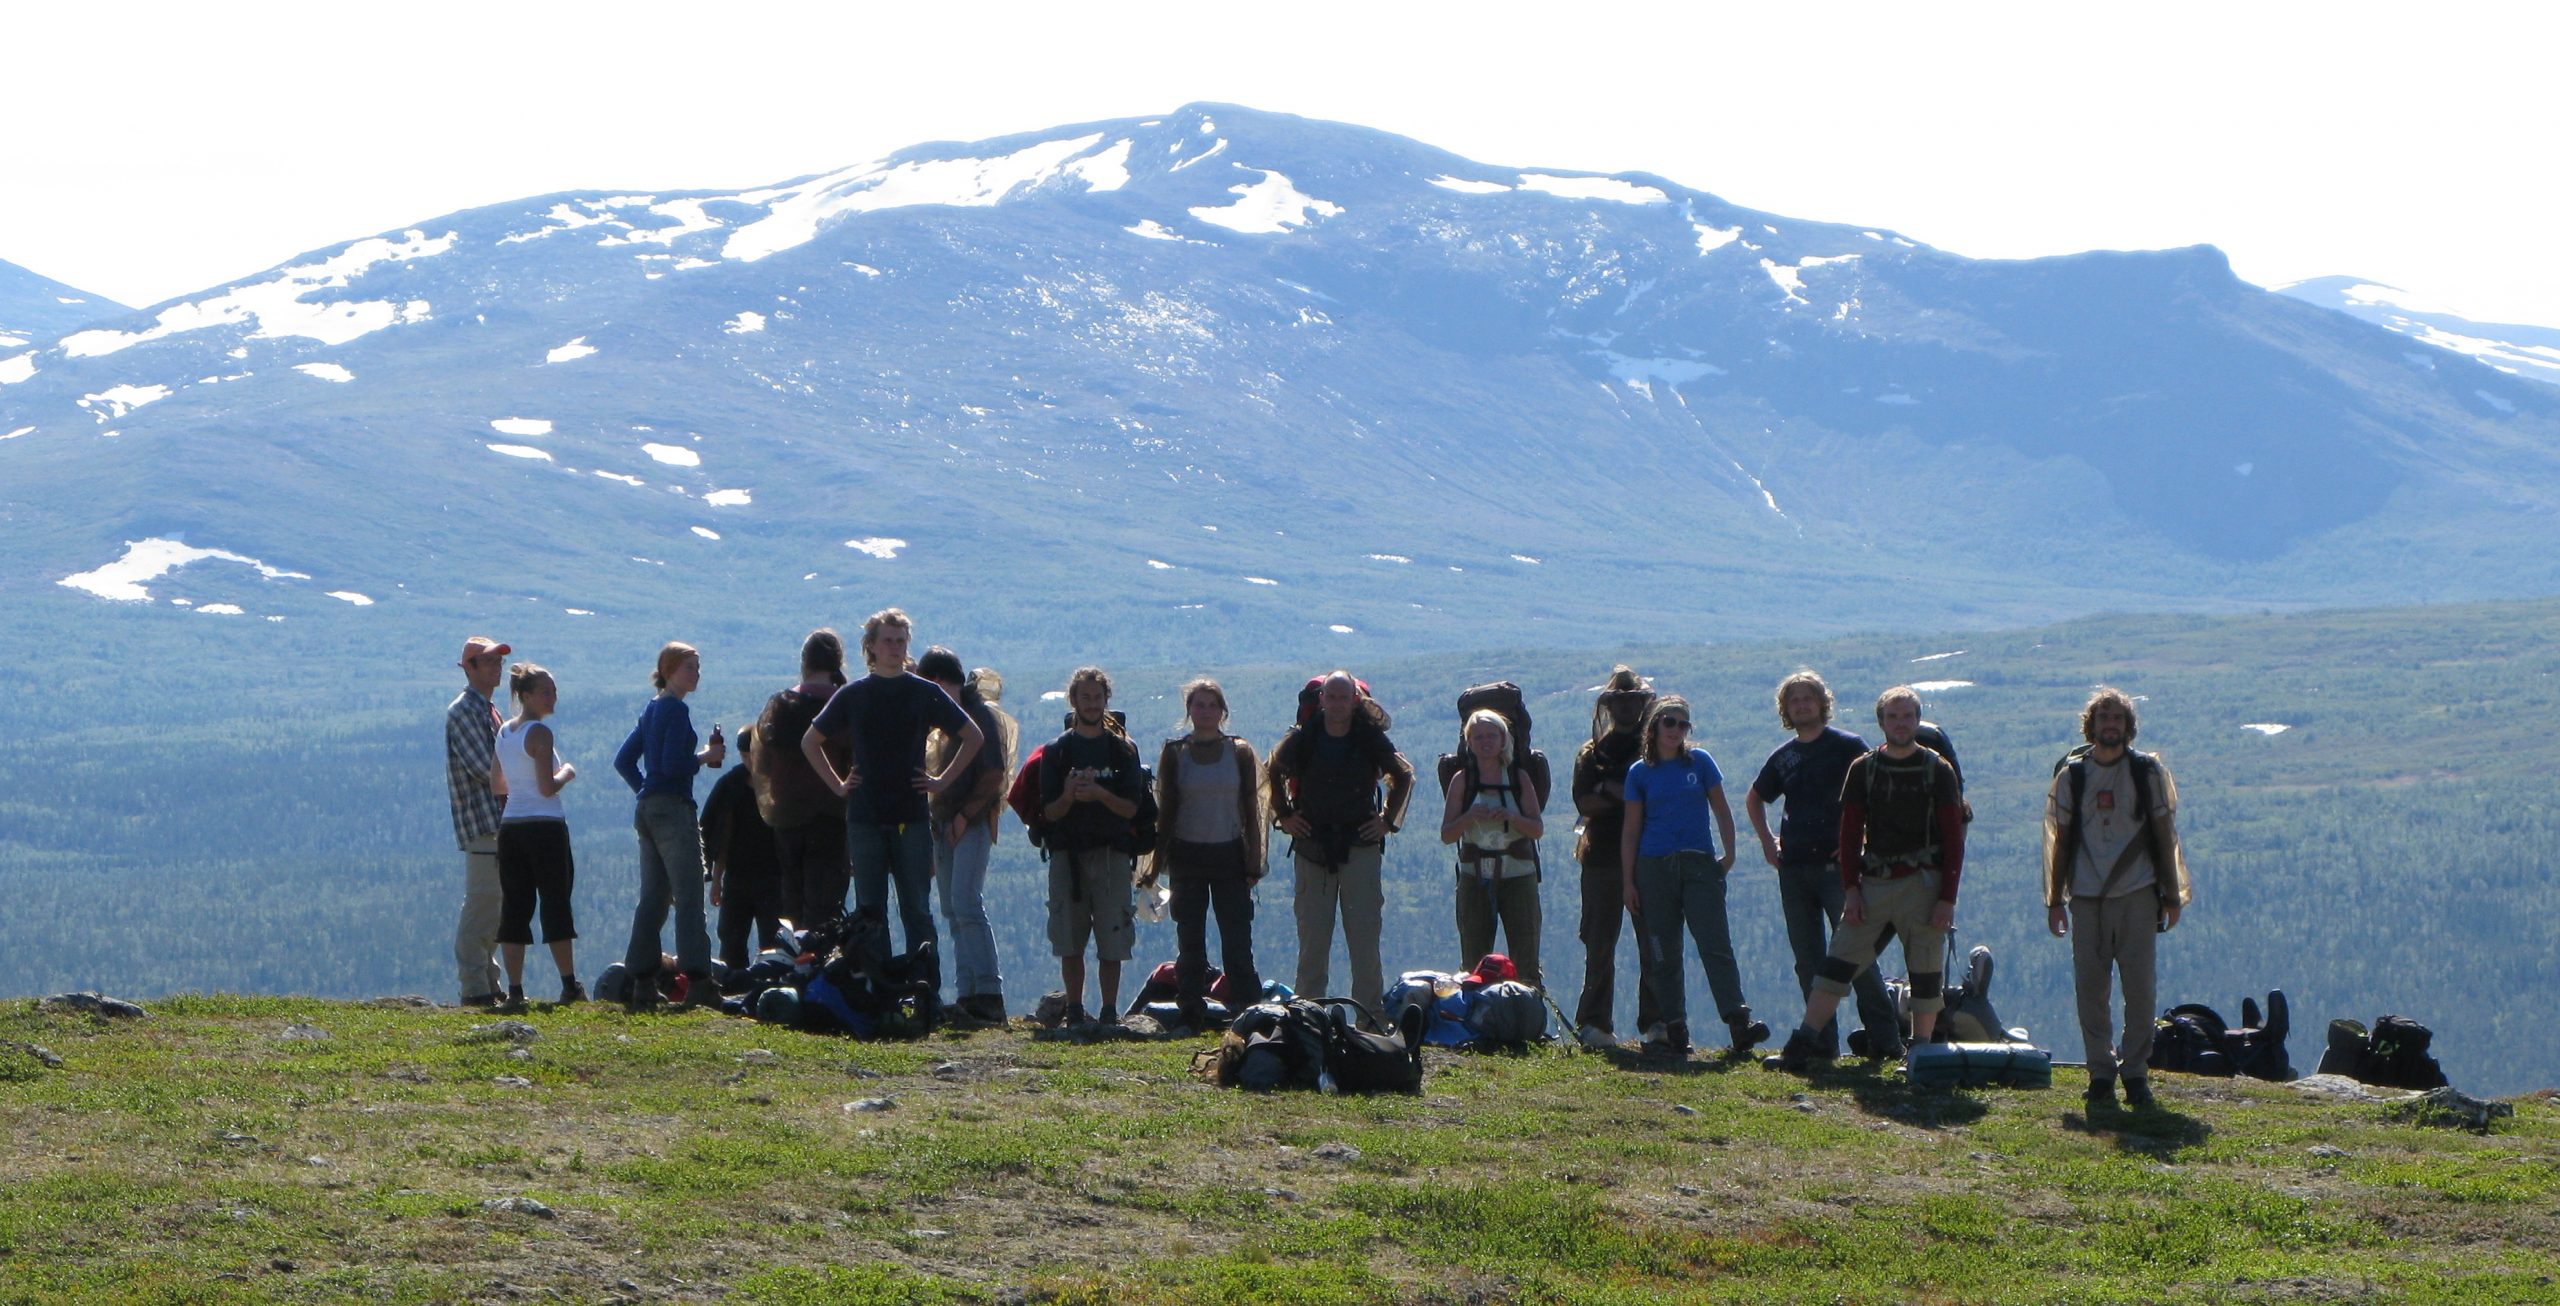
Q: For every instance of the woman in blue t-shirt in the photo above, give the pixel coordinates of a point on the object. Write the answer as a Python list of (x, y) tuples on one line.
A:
[(1672, 874), (659, 761)]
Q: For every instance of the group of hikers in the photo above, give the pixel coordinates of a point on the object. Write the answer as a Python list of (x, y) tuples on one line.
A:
[(897, 780)]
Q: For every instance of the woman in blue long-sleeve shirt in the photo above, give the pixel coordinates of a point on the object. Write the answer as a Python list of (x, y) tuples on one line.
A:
[(658, 761)]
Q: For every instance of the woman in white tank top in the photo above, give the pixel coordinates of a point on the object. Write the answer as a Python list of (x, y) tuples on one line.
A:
[(1492, 815), (534, 861)]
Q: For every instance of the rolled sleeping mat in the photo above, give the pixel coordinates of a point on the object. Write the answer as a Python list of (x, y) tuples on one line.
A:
[(1978, 1065)]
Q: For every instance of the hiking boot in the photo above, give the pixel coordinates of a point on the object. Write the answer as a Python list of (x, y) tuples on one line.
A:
[(2137, 1094), (1887, 1049), (571, 991), (1076, 1017), (1802, 1052), (988, 1007), (1747, 1033), (513, 1003), (2101, 1093), (699, 991), (483, 1000), (1596, 1038), (642, 994)]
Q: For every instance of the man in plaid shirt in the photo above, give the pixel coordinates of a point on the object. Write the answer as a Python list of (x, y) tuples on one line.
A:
[(470, 750)]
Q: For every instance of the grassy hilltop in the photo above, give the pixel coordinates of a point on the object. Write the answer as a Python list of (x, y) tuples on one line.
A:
[(255, 1149)]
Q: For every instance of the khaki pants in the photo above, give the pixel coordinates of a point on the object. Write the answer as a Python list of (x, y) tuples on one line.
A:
[(2122, 935), (475, 935), (1354, 890), (1904, 904), (1510, 901)]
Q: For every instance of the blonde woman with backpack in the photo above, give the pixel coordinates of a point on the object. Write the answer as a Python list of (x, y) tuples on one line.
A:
[(1492, 815)]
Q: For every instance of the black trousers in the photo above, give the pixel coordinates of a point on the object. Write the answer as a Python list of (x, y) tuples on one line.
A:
[(1212, 877), (815, 873), (1604, 919)]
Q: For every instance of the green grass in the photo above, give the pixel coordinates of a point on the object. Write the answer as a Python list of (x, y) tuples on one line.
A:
[(199, 1156)]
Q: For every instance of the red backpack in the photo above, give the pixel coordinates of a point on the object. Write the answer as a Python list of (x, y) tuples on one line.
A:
[(1023, 796)]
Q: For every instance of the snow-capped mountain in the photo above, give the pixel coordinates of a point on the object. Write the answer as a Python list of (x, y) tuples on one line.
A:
[(1226, 376), (34, 308), (2532, 352)]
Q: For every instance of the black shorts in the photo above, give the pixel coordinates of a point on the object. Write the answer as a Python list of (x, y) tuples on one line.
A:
[(534, 862)]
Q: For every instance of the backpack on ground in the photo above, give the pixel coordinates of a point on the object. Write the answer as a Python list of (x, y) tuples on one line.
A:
[(2188, 1038), (1270, 1045), (1503, 697), (2394, 1054), (1441, 998), (1506, 1014), (1361, 1061), (2256, 1046)]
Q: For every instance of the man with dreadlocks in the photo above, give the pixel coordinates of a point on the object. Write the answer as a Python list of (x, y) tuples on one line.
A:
[(1090, 784), (1600, 797)]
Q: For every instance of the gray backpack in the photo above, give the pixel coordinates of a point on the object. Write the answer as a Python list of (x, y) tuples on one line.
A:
[(1507, 1013)]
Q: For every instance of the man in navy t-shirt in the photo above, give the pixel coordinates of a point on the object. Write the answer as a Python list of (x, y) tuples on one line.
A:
[(886, 716), (1804, 774)]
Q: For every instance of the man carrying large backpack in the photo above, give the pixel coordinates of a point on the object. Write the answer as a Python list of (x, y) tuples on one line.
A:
[(1324, 780), (1901, 852), (2114, 881), (1091, 782), (1804, 774)]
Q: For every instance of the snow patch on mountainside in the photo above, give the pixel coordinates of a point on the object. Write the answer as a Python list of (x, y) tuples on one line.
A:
[(1934, 686), (350, 596), (879, 546), (2268, 728), (1266, 207), (522, 451), (118, 400), (278, 307), (1154, 230), (729, 498), (14, 370), (12, 435), (520, 425), (673, 455), (745, 323), (148, 560), (1592, 188), (1639, 373), (1108, 170), (324, 371), (794, 215), (1466, 187), (570, 352)]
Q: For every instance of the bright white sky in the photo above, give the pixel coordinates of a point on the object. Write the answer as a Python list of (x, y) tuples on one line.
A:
[(149, 151)]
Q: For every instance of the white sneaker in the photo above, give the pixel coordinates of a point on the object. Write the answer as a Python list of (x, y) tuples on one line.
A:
[(1596, 1038)]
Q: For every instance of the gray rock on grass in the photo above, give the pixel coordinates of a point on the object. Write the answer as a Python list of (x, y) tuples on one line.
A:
[(95, 1004)]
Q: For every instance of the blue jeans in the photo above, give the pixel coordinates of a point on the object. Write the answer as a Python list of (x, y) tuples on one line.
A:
[(670, 878), (960, 873), (1686, 889), (881, 854), (1810, 895)]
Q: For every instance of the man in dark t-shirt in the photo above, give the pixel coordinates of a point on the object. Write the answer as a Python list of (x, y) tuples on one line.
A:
[(886, 716), (1804, 774), (1090, 783)]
